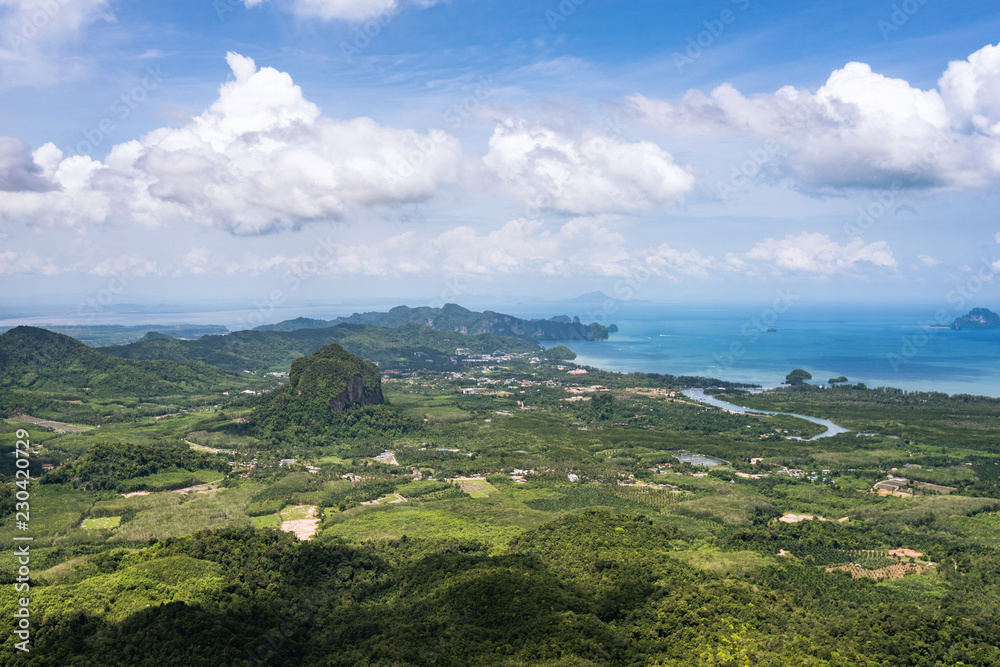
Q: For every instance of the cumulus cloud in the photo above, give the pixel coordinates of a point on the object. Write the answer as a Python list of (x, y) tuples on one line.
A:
[(816, 253), (18, 169), (14, 263), (664, 260), (970, 90), (261, 158), (585, 173), (861, 128), (344, 10), (197, 261)]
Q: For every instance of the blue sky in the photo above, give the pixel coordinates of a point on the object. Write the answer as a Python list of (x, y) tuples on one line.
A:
[(310, 150)]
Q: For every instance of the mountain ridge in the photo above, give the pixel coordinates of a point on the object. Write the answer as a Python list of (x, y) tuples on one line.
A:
[(42, 360), (452, 317)]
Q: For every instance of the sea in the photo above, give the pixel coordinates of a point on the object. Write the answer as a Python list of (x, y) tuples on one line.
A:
[(880, 346), (877, 346)]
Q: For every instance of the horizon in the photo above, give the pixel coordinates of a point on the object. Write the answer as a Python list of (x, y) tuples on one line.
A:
[(587, 309)]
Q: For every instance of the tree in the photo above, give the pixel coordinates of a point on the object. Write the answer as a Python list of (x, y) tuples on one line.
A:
[(560, 353), (797, 377), (837, 380)]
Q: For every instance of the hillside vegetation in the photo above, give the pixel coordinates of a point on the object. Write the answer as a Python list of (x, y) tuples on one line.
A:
[(452, 317), (411, 345), (40, 360)]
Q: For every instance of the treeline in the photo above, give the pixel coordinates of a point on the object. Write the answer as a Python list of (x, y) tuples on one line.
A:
[(289, 421), (107, 466), (590, 588), (43, 361), (411, 346)]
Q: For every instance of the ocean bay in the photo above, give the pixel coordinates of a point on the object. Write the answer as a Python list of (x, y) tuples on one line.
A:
[(890, 347)]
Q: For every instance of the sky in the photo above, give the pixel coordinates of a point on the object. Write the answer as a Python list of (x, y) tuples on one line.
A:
[(255, 152)]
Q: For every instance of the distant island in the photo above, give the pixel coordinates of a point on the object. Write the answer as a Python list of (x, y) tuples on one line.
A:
[(977, 318), (452, 317)]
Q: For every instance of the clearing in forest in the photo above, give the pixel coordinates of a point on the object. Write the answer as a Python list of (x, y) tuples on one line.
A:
[(58, 427), (477, 487), (301, 521)]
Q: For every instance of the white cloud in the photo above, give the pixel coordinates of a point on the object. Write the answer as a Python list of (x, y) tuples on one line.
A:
[(970, 88), (817, 253), (585, 173), (198, 261), (862, 129), (344, 10), (15, 263), (929, 261), (580, 247), (665, 260), (261, 158)]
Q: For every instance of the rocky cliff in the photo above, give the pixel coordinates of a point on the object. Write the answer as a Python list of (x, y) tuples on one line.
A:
[(977, 318), (335, 377)]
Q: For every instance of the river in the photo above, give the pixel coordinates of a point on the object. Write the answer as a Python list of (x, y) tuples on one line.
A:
[(700, 396)]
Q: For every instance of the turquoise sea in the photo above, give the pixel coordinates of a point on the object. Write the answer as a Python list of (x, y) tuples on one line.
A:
[(882, 346)]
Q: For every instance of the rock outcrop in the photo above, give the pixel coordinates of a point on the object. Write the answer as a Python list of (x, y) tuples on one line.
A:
[(336, 377), (977, 318)]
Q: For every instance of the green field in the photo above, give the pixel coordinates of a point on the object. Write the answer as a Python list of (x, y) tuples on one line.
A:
[(107, 522)]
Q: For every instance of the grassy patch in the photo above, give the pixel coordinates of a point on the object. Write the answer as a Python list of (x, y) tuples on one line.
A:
[(296, 512), (106, 522), (267, 521), (164, 515), (477, 488), (717, 561), (395, 521)]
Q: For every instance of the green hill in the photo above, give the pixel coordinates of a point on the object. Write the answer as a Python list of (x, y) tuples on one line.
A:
[(452, 317), (335, 377), (40, 360), (411, 345), (330, 393)]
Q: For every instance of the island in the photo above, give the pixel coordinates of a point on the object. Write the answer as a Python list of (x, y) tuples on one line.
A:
[(452, 317), (977, 318)]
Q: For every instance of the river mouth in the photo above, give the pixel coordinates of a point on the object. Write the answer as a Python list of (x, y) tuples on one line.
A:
[(700, 396)]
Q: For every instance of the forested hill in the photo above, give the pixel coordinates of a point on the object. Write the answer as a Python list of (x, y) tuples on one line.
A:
[(330, 394), (406, 346), (337, 378), (40, 360), (453, 317)]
